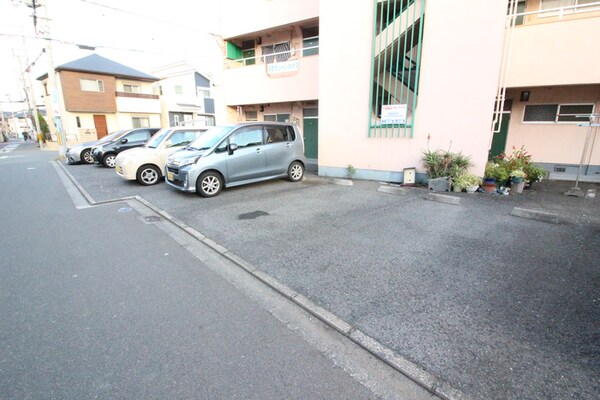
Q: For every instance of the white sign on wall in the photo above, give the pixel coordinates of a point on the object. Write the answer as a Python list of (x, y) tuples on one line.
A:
[(285, 67), (393, 114)]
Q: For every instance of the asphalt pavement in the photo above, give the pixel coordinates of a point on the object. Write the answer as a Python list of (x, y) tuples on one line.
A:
[(103, 302), (496, 305)]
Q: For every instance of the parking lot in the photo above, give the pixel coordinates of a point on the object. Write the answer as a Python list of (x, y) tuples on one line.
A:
[(497, 306)]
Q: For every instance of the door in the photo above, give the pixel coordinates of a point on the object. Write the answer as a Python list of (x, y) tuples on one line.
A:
[(311, 133), (499, 139), (249, 160), (100, 125)]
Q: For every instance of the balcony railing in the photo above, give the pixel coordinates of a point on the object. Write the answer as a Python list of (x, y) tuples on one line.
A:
[(137, 95), (272, 58), (559, 12)]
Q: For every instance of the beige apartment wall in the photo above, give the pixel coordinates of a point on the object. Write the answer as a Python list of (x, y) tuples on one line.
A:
[(558, 53), (459, 76), (247, 16), (259, 87), (553, 143)]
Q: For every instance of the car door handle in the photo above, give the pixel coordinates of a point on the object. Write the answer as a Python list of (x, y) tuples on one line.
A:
[(258, 150)]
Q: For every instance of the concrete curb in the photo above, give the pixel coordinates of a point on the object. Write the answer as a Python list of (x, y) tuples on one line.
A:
[(406, 367), (342, 182), (536, 215), (441, 198), (392, 190)]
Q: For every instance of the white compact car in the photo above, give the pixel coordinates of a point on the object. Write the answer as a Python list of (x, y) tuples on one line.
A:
[(146, 164)]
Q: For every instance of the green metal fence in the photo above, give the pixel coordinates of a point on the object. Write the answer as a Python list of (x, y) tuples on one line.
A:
[(396, 63)]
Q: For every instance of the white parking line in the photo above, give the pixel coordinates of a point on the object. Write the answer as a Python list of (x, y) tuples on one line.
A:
[(8, 148)]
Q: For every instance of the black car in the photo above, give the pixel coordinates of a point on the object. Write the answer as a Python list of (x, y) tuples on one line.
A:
[(107, 152)]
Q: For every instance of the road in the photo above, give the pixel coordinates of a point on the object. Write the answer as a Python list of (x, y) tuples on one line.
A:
[(109, 302)]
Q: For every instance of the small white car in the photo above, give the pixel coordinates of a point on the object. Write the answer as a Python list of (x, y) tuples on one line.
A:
[(146, 164)]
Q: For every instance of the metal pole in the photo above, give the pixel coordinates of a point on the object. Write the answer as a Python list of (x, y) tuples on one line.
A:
[(52, 90)]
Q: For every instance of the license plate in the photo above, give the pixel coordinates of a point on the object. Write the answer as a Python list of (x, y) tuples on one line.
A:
[(170, 176)]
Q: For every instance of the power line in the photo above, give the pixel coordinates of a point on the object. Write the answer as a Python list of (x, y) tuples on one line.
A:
[(148, 17)]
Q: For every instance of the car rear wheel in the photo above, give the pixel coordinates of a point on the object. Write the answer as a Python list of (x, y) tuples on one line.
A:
[(295, 171), (148, 175), (109, 160), (209, 184), (87, 157)]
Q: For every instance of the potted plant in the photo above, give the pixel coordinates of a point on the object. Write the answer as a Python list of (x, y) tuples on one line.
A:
[(496, 174), (468, 181), (442, 167), (533, 174), (517, 183)]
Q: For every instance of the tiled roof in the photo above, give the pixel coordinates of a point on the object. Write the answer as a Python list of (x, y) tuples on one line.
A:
[(100, 65)]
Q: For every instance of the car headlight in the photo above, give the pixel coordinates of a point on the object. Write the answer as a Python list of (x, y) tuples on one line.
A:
[(188, 161)]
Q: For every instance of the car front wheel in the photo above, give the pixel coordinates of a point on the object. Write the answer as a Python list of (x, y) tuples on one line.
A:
[(148, 175), (109, 160), (296, 171), (209, 184), (87, 157)]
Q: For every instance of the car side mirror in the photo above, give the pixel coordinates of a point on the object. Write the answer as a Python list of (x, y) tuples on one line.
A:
[(123, 141), (232, 147)]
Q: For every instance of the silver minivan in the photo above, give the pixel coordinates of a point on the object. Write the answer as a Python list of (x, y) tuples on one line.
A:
[(238, 154)]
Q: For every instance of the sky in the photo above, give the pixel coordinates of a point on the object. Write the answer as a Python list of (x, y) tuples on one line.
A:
[(142, 34)]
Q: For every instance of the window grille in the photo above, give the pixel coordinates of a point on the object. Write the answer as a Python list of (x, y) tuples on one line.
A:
[(395, 67)]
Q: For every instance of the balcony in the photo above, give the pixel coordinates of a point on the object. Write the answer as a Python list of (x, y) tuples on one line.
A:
[(556, 47), (271, 80), (137, 102)]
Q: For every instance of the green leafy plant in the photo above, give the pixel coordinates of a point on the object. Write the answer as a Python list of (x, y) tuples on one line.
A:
[(467, 179), (441, 163), (534, 173), (518, 173), (497, 171), (350, 170)]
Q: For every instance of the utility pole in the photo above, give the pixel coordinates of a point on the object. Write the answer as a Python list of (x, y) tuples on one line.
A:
[(55, 129)]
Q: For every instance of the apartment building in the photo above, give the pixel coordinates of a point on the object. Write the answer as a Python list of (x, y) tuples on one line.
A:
[(272, 64), (185, 96), (553, 84), (96, 96), (374, 86)]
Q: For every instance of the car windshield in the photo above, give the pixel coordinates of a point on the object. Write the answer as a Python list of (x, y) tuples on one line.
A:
[(157, 138), (113, 136), (210, 138)]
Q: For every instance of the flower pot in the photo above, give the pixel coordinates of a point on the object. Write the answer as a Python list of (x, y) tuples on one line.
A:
[(517, 187), (516, 179), (456, 188), (471, 189)]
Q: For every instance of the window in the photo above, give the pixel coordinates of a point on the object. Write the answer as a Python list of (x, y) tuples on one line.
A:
[(183, 138), (251, 116), (140, 136), (140, 122), (248, 51), (90, 85), (574, 112), (250, 136), (276, 134), (129, 88), (277, 117), (178, 89), (551, 113), (203, 92), (280, 52), (310, 41)]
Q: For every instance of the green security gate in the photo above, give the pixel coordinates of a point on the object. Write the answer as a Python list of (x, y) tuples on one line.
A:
[(499, 138)]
